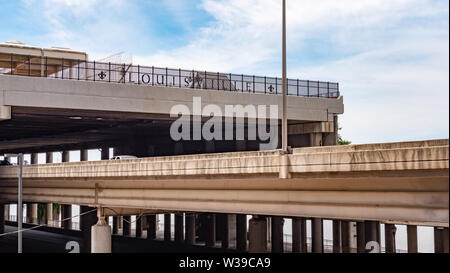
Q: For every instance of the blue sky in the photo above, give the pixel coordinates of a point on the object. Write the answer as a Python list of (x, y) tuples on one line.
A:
[(391, 57)]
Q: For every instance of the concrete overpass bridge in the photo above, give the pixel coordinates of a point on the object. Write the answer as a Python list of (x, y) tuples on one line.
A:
[(390, 183), (57, 101)]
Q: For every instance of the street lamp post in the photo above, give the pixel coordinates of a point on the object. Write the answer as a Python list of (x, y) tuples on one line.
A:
[(284, 131), (19, 201)]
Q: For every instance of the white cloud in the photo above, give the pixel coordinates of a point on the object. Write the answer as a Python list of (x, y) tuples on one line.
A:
[(390, 57)]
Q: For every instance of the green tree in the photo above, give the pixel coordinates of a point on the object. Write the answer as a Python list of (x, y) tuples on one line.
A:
[(342, 141)]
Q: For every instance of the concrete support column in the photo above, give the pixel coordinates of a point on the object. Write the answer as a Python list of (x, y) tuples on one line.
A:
[(115, 229), (49, 157), (83, 155), (86, 222), (101, 237), (317, 235), (337, 239), (360, 237), (6, 214), (49, 213), (241, 145), (139, 226), (65, 156), (372, 232), (105, 153), (2, 218), (167, 224), (277, 234), (66, 210), (126, 224), (299, 241), (315, 139), (33, 206), (210, 147), (411, 233), (441, 240), (66, 216), (257, 235), (178, 148), (224, 229), (346, 236), (179, 228), (151, 227), (49, 207), (34, 158), (190, 229), (210, 230), (241, 232), (389, 236)]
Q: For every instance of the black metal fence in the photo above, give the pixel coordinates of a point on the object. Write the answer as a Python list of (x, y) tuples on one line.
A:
[(157, 76)]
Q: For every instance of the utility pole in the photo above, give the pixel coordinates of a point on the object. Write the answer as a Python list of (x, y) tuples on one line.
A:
[(284, 132), (19, 200)]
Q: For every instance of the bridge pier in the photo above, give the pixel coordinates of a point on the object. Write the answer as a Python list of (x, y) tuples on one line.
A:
[(126, 225), (337, 236), (115, 224), (86, 222), (101, 236), (66, 210), (190, 229), (346, 234), (277, 234), (151, 227), (210, 229), (49, 206), (257, 234), (317, 235), (360, 237), (372, 232), (179, 228), (299, 241), (241, 232), (441, 240), (389, 235), (167, 227)]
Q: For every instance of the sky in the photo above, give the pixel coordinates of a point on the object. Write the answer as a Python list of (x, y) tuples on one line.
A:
[(390, 57)]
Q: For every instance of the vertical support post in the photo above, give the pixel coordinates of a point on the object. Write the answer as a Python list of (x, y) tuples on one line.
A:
[(12, 64), (126, 225), (87, 220), (190, 229), (284, 132), (346, 236), (167, 226), (257, 237), (151, 227), (361, 237), (441, 240), (115, 225), (101, 235), (299, 241), (241, 232), (210, 230), (139, 226), (179, 228), (2, 218), (389, 235), (317, 235), (337, 239), (277, 234)]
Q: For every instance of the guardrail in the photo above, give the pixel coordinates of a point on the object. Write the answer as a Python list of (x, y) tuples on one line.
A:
[(156, 76)]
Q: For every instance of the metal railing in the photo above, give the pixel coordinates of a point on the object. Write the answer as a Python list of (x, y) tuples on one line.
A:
[(167, 77)]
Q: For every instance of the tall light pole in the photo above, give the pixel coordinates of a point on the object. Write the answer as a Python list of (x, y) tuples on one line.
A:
[(284, 131), (19, 201)]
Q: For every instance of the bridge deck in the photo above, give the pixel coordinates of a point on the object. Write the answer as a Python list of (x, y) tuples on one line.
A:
[(393, 182)]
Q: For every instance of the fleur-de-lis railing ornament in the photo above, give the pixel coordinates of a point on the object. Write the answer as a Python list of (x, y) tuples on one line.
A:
[(102, 75)]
